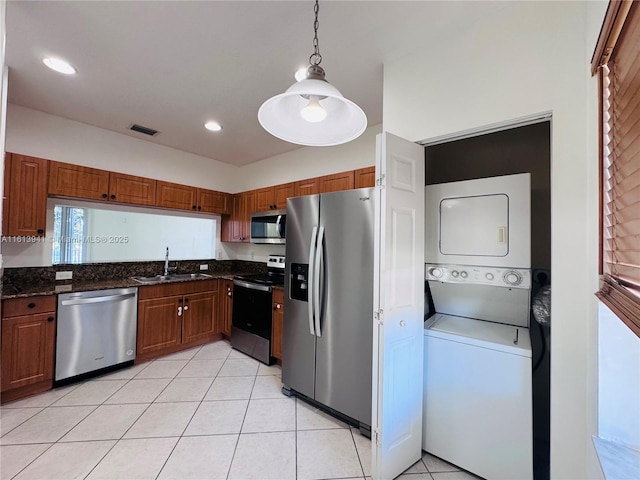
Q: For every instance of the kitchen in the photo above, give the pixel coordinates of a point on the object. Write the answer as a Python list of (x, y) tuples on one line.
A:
[(415, 94)]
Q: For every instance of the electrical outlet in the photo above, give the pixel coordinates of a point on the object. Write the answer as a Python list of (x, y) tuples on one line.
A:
[(68, 275), (253, 255), (204, 266)]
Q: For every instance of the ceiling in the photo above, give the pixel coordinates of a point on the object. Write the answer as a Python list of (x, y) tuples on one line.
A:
[(173, 65)]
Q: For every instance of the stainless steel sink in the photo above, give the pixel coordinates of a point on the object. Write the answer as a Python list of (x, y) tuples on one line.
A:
[(172, 277)]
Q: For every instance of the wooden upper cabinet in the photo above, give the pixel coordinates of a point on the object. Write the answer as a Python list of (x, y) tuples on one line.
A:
[(131, 189), (230, 231), (27, 196), (174, 195), (282, 192), (5, 194), (365, 177), (212, 201), (69, 180), (337, 182), (265, 199), (309, 186)]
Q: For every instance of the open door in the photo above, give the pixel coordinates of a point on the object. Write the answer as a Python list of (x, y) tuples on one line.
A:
[(398, 333)]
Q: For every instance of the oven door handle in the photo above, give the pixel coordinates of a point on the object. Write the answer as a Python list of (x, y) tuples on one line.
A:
[(252, 286), (310, 281)]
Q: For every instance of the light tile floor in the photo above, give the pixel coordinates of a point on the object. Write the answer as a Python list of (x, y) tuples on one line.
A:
[(207, 413)]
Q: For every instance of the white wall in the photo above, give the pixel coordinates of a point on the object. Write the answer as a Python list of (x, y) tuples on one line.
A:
[(530, 57), (39, 134), (309, 162)]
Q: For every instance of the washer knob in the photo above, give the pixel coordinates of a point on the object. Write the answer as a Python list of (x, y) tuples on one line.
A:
[(435, 272), (489, 276), (464, 274), (512, 278), (455, 274)]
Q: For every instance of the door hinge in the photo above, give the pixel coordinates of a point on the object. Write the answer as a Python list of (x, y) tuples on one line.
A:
[(378, 315), (377, 437), (380, 181)]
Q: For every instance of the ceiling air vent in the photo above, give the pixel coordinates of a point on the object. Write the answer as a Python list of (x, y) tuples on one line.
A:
[(146, 130)]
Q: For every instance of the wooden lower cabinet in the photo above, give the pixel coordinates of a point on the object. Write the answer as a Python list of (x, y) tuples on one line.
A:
[(199, 316), (226, 306), (28, 345), (277, 325), (175, 317)]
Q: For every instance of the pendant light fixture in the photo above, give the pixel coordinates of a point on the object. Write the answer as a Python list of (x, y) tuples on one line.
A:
[(313, 112)]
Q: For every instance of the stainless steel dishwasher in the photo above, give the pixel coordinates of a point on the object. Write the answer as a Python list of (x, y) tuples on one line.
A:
[(96, 332)]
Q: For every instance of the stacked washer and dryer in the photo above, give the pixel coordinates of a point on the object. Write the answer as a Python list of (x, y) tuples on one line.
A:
[(477, 364)]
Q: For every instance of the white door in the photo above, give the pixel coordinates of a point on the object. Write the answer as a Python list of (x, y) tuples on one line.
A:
[(398, 307)]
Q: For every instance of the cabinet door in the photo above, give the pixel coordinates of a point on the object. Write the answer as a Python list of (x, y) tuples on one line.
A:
[(277, 324), (230, 231), (6, 194), (282, 192), (265, 199), (310, 186), (159, 326), (199, 316), (69, 180), (365, 177), (248, 206), (27, 349), (211, 201), (173, 195), (131, 189), (226, 309), (28, 189), (337, 182)]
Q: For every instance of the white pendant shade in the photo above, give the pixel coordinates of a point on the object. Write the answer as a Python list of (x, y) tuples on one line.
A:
[(281, 115)]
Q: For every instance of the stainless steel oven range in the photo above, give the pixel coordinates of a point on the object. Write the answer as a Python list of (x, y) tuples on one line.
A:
[(252, 310)]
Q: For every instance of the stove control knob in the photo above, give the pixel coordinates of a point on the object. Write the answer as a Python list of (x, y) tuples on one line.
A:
[(464, 274), (512, 277), (435, 272), (489, 276), (455, 274)]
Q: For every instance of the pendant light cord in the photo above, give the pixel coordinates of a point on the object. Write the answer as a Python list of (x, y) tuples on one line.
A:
[(315, 57)]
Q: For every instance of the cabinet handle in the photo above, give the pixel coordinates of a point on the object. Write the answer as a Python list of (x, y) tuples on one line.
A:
[(104, 195), (31, 305), (193, 207), (40, 231), (186, 300), (199, 207), (186, 307), (113, 197), (179, 311), (50, 319), (278, 306), (228, 294)]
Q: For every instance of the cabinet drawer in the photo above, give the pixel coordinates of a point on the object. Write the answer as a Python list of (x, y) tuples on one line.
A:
[(28, 306)]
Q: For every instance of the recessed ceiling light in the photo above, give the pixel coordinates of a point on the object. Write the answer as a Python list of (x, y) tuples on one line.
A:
[(59, 65), (300, 74), (213, 126)]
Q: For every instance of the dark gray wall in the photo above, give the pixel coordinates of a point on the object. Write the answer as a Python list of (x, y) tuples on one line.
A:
[(518, 150)]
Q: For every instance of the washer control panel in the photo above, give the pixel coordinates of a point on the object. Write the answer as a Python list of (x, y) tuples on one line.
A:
[(474, 275)]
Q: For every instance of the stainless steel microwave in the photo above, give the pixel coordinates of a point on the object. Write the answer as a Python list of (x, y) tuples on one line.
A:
[(268, 227)]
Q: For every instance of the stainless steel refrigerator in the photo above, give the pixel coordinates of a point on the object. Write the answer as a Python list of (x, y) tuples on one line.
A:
[(328, 309)]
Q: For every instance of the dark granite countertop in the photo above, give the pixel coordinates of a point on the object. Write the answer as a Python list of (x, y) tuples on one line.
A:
[(33, 281), (24, 291)]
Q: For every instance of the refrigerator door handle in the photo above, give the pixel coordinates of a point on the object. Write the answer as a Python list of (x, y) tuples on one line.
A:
[(316, 279), (310, 279)]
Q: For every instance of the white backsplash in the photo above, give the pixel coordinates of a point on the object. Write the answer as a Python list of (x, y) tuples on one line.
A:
[(247, 251)]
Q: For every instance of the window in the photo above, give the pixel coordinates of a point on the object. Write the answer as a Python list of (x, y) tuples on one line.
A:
[(69, 232), (617, 62)]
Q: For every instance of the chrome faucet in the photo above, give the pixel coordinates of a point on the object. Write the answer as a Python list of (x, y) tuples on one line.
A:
[(166, 262)]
